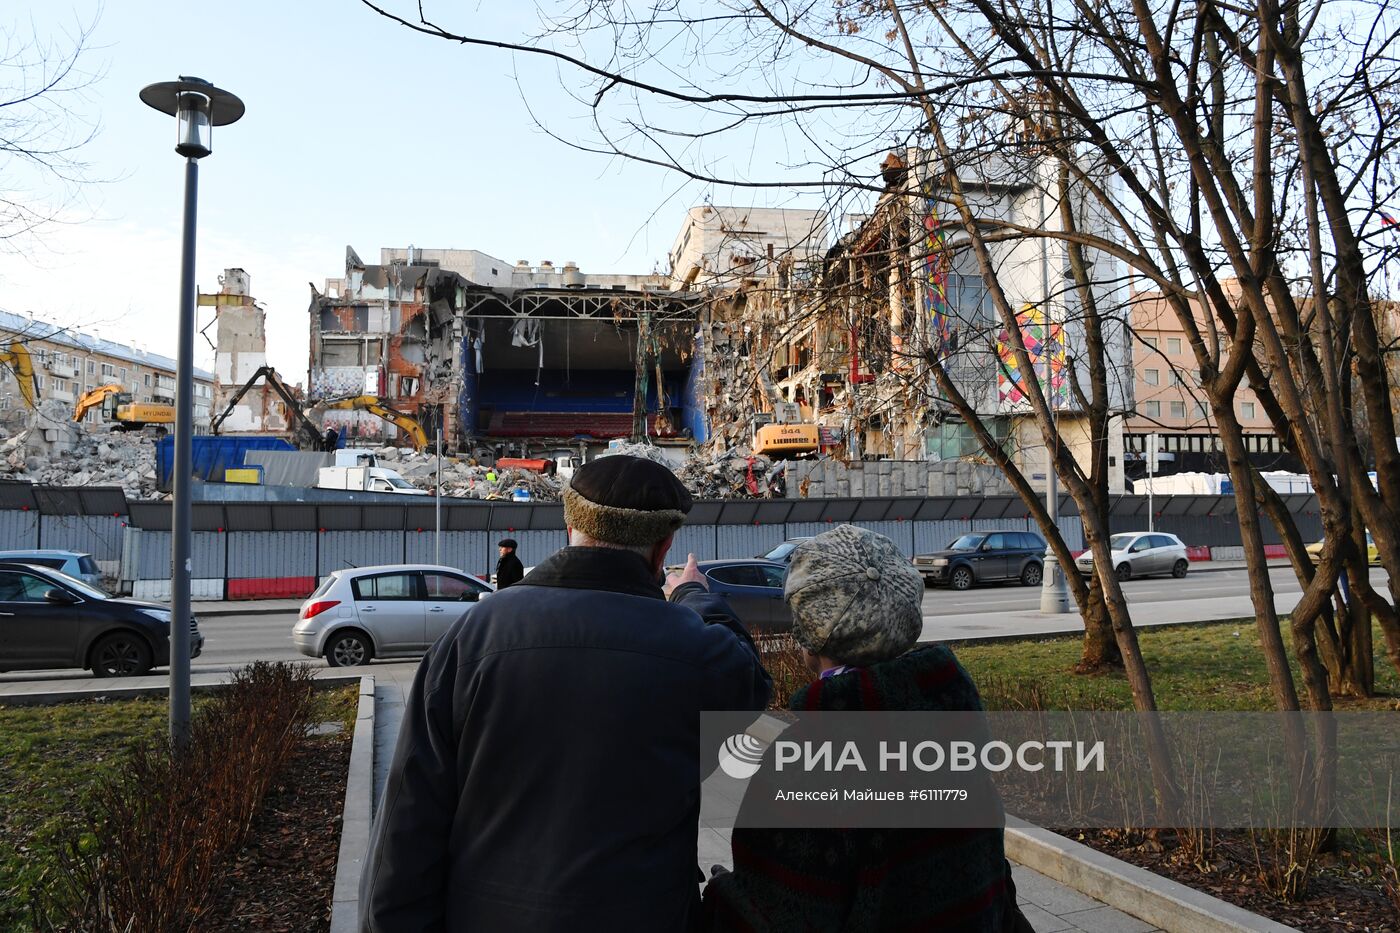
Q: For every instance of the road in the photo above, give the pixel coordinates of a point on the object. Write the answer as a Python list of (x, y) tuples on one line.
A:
[(232, 641)]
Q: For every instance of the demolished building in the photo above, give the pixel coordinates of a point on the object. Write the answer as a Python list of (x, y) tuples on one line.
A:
[(504, 359), (846, 340)]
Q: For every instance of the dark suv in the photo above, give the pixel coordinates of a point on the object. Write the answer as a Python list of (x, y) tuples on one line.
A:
[(985, 556), (51, 620)]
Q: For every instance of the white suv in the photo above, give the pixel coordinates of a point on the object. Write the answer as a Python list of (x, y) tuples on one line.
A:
[(397, 610)]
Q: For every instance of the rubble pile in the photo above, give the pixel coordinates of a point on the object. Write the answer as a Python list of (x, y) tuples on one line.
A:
[(114, 459)]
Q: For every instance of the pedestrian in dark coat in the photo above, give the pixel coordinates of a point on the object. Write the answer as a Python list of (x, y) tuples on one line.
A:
[(547, 772), (856, 609), (509, 569)]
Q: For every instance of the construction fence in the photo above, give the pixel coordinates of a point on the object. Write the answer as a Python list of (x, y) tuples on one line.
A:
[(244, 550)]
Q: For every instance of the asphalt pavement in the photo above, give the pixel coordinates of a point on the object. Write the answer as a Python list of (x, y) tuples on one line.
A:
[(263, 633)]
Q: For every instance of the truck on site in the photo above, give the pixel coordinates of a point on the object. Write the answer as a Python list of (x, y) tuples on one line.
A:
[(561, 463), (359, 470)]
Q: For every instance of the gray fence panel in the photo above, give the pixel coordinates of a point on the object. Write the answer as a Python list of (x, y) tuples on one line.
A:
[(465, 550), (18, 529), (153, 556), (935, 536), (341, 550), (271, 554), (1071, 529), (901, 533), (534, 547), (748, 540), (694, 539), (98, 535)]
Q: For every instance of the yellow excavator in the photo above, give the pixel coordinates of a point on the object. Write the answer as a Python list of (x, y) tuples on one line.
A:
[(119, 410), (17, 358), (381, 409)]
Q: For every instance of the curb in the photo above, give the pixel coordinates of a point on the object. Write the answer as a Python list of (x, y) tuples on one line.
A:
[(357, 817), (1164, 903), (252, 610), (81, 694)]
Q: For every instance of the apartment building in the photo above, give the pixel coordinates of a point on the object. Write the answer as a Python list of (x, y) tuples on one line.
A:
[(1172, 404), (68, 362)]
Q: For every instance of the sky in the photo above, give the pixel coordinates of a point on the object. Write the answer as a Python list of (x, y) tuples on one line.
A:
[(358, 132)]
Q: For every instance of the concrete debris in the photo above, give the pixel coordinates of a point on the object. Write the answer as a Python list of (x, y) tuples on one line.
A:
[(79, 459)]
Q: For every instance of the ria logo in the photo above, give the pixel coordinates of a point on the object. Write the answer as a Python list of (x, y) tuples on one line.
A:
[(740, 755)]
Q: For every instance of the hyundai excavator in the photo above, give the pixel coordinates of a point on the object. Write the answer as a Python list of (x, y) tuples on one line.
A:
[(121, 411)]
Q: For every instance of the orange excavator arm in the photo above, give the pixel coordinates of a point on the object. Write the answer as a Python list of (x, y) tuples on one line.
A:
[(18, 359)]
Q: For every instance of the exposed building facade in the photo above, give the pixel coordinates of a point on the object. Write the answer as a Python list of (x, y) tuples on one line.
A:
[(845, 337), (68, 362), (509, 358), (722, 246)]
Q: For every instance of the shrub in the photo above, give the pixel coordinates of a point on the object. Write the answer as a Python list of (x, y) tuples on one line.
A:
[(145, 853)]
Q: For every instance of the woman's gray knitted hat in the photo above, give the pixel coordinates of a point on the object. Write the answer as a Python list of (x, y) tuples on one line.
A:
[(854, 597)]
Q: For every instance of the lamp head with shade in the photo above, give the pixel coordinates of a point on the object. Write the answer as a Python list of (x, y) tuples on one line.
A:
[(197, 107)]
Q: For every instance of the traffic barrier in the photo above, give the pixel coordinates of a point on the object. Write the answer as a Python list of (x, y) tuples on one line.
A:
[(1197, 553), (1275, 551), (272, 588), (1234, 552)]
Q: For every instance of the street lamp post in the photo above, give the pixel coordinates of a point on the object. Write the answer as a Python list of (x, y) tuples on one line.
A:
[(197, 107), (1054, 594)]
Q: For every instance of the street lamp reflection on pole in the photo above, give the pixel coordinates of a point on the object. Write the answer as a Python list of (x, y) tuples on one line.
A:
[(197, 107)]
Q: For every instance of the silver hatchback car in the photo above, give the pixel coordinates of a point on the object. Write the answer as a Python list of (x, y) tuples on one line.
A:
[(395, 610), (1141, 554)]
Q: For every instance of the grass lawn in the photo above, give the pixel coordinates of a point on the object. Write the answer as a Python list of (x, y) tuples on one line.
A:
[(49, 758), (1197, 667)]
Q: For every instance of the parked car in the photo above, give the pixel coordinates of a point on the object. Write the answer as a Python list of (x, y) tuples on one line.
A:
[(783, 552), (984, 557), (74, 563), (1141, 554), (51, 620), (394, 610), (1373, 556), (754, 589)]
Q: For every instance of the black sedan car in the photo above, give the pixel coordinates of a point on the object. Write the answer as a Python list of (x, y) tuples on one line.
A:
[(984, 557), (754, 589), (51, 620)]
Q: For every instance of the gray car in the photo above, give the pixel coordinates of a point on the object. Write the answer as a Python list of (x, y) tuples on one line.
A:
[(1141, 554), (75, 564), (395, 610)]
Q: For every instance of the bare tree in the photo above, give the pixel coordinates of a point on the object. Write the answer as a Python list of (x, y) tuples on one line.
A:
[(43, 128)]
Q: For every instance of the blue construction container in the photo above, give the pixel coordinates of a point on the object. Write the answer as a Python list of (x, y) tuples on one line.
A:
[(212, 455)]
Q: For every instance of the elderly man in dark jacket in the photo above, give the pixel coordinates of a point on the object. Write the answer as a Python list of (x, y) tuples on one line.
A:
[(547, 773)]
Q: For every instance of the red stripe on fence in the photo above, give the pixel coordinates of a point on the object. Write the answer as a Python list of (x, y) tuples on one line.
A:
[(1275, 550), (271, 588)]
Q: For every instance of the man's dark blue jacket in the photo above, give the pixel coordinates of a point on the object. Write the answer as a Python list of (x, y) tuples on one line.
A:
[(547, 772)]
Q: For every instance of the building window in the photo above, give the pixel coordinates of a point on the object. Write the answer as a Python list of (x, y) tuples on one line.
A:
[(1173, 378), (1150, 341), (1152, 409), (1247, 410), (1202, 411), (1174, 346), (146, 380), (1151, 376), (108, 370), (60, 385), (39, 383), (92, 368), (1178, 409)]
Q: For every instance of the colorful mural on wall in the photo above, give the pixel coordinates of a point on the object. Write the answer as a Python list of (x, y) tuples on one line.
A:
[(1012, 383), (942, 331)]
